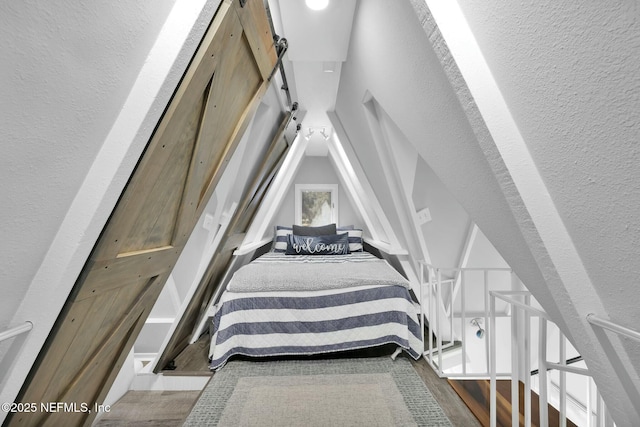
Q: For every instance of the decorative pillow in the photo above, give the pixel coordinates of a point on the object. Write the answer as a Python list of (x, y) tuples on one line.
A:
[(345, 227), (280, 238), (323, 230), (335, 244), (355, 239)]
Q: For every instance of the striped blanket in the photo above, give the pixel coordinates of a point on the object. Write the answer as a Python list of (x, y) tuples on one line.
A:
[(303, 322)]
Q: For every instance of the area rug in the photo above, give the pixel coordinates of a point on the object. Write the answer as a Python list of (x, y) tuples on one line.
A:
[(338, 392)]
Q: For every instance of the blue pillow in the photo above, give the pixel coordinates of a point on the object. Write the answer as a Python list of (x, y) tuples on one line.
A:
[(335, 244)]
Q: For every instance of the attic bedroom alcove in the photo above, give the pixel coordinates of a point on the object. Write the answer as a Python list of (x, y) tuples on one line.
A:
[(497, 134), (403, 186), (358, 206)]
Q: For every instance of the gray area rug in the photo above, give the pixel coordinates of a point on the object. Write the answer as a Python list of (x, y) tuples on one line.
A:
[(339, 392)]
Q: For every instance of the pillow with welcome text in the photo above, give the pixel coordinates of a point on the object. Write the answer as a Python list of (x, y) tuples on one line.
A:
[(336, 244)]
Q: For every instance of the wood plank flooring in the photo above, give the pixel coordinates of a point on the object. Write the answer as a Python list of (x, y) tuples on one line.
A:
[(150, 408), (170, 408), (193, 360), (476, 394)]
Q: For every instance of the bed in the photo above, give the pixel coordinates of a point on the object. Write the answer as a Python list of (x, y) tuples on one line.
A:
[(299, 304)]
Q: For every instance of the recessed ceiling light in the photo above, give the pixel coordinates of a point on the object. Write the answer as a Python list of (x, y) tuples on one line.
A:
[(328, 66), (317, 4)]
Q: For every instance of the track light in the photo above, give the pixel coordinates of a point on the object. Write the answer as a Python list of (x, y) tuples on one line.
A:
[(307, 136), (321, 130), (477, 321)]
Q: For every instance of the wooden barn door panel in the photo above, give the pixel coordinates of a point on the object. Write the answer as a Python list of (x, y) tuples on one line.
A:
[(154, 217), (252, 195)]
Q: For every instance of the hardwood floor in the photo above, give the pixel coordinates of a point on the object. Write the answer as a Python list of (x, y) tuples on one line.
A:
[(170, 408), (193, 360), (150, 408), (476, 394), (162, 408)]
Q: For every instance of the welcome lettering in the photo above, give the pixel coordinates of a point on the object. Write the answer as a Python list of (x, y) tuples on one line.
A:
[(308, 246)]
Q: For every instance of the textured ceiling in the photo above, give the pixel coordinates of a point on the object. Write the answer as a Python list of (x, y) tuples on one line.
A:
[(318, 40)]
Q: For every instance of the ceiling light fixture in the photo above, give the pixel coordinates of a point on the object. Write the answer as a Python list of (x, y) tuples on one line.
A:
[(317, 4), (328, 66), (307, 136), (477, 322)]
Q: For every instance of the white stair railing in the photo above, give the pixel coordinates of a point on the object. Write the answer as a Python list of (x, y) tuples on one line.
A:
[(445, 301), (612, 326), (621, 331), (443, 298), (522, 311), (15, 331), (9, 351)]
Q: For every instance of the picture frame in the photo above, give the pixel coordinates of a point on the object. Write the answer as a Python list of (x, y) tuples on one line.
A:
[(316, 204)]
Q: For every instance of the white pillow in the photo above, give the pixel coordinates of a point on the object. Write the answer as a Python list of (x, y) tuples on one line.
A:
[(355, 239), (280, 238)]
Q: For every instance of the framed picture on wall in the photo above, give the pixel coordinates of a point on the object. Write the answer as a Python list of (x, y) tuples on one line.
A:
[(316, 204)]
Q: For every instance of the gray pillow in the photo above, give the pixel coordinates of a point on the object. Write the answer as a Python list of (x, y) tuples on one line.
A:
[(323, 230)]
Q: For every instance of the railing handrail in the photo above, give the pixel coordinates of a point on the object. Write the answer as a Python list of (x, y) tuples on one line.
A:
[(544, 364), (436, 283), (426, 264), (612, 326), (504, 295), (522, 311), (16, 330), (440, 309), (551, 366)]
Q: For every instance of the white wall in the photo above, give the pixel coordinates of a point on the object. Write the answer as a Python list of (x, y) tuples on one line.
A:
[(446, 233), (316, 170), (85, 87), (388, 49), (571, 77), (558, 89), (393, 58), (68, 69)]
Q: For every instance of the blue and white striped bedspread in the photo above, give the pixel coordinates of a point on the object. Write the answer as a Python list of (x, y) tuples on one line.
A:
[(313, 322), (308, 274)]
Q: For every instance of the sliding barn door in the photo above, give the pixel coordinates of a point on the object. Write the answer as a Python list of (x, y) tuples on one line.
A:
[(153, 219), (262, 176)]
